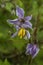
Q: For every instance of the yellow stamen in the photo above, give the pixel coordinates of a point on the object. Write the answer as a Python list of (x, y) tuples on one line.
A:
[(21, 32)]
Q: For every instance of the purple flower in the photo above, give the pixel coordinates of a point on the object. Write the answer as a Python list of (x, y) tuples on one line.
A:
[(21, 22), (32, 49)]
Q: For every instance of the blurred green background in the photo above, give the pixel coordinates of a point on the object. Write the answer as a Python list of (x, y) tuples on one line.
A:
[(10, 47)]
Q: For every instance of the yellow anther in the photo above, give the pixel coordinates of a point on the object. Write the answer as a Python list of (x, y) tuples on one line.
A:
[(21, 32)]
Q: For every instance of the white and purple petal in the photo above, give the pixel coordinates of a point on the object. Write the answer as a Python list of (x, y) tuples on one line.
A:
[(27, 36), (28, 18), (29, 46), (19, 12), (34, 55), (17, 27), (28, 49), (27, 24), (14, 34), (15, 21)]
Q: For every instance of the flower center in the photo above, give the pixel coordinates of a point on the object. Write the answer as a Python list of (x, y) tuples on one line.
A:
[(22, 20)]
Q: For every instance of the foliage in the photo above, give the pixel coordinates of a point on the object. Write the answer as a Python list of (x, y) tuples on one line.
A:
[(14, 49)]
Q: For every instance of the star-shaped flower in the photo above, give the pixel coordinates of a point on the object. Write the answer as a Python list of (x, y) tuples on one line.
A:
[(21, 23), (32, 49)]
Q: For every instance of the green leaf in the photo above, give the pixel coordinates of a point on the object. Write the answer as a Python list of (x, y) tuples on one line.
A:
[(9, 6), (19, 3), (6, 62)]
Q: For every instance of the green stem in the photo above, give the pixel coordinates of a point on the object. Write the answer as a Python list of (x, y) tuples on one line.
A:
[(36, 28)]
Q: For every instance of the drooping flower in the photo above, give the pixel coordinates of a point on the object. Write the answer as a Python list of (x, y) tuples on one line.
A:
[(22, 23), (22, 33), (32, 49)]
